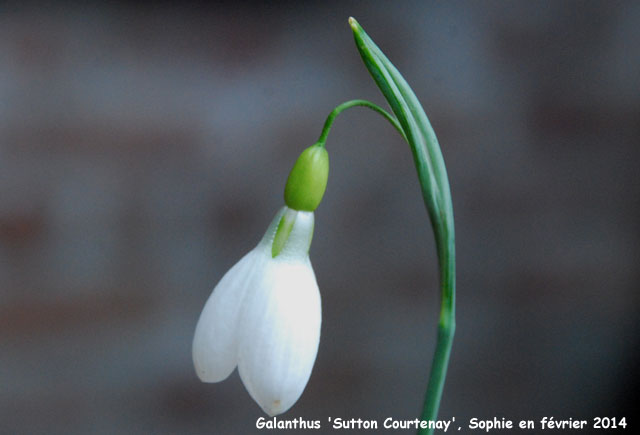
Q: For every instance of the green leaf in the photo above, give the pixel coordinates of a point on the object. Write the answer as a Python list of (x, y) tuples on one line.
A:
[(418, 130), (436, 193)]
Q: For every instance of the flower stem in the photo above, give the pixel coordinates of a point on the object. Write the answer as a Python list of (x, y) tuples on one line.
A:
[(352, 103), (444, 341)]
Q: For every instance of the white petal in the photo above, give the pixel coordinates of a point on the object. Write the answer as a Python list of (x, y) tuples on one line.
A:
[(279, 333), (215, 345)]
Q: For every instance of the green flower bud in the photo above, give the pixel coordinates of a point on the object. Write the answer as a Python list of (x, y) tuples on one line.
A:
[(308, 179)]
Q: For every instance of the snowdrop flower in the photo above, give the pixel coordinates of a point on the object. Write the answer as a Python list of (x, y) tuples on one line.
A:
[(264, 316)]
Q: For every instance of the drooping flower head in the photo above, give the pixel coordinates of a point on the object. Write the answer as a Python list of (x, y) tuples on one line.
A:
[(264, 315)]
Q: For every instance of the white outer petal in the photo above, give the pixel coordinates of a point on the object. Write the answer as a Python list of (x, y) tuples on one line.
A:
[(215, 345), (279, 333)]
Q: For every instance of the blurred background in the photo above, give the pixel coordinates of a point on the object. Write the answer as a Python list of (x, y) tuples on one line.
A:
[(144, 150)]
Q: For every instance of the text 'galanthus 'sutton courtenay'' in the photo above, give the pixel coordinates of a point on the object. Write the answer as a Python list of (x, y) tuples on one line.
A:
[(264, 315)]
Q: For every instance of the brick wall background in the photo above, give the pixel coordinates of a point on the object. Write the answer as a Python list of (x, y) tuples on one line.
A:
[(143, 150)]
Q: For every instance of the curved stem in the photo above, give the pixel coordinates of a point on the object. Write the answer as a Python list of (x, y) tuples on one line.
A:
[(352, 103)]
